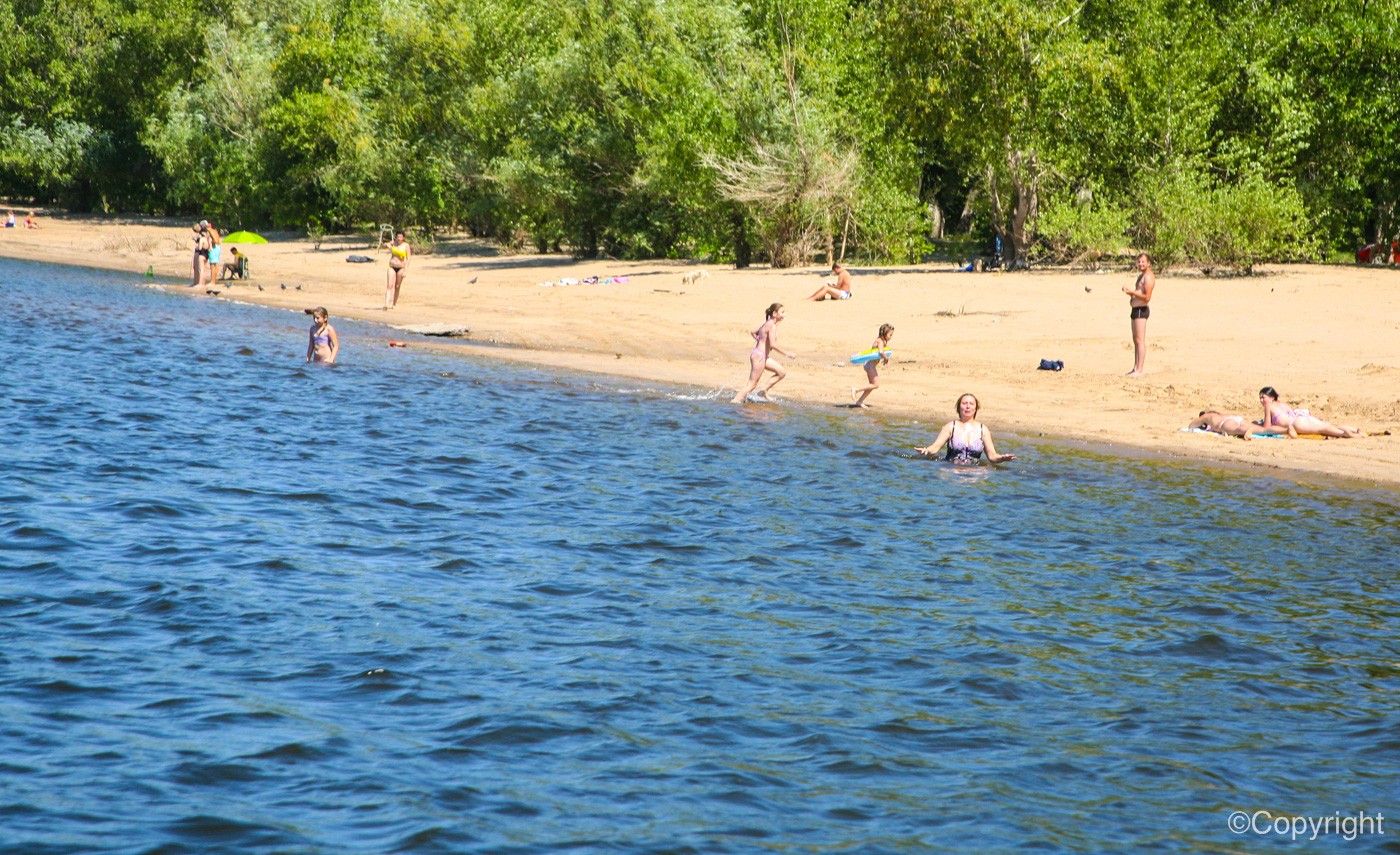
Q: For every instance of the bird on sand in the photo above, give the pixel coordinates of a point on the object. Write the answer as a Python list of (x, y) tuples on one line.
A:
[(473, 282)]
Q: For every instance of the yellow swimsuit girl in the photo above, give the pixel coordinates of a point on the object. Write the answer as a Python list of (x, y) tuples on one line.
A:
[(399, 254)]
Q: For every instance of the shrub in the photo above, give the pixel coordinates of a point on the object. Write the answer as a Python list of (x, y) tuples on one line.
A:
[(1254, 221), (1082, 232), (1181, 217), (1168, 220)]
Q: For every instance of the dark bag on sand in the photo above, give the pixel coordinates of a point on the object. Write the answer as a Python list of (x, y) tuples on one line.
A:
[(358, 259), (1051, 365)]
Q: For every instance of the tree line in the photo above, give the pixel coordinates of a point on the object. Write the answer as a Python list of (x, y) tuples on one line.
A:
[(1212, 132)]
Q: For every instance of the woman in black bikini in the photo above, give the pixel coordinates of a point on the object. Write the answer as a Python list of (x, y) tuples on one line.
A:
[(202, 244)]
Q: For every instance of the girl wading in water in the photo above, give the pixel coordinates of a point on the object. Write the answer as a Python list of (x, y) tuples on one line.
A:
[(322, 344)]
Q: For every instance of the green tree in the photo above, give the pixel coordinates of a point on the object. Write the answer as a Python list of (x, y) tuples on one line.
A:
[(1003, 96)]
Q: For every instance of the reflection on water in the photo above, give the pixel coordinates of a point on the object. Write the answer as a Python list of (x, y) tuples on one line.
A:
[(274, 607)]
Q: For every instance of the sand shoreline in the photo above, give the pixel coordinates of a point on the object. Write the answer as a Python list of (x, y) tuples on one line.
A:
[(1328, 337)]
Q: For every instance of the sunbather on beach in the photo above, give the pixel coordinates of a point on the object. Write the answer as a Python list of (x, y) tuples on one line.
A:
[(1281, 418), (1220, 423), (838, 290)]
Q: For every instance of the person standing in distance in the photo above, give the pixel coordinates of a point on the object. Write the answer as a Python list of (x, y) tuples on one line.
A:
[(1138, 297), (400, 254)]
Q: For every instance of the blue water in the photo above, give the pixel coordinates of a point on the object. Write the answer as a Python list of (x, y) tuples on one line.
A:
[(421, 603)]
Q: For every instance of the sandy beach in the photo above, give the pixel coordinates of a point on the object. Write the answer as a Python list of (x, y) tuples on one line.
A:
[(1327, 337)]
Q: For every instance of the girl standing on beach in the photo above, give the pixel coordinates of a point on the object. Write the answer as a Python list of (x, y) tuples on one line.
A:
[(765, 342), (967, 439), (400, 253), (872, 368), (323, 344)]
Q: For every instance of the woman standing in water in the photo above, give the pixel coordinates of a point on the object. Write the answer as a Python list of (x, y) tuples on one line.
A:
[(765, 342), (967, 439), (322, 344), (400, 254)]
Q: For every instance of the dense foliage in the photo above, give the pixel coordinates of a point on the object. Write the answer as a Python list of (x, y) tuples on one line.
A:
[(1214, 132)]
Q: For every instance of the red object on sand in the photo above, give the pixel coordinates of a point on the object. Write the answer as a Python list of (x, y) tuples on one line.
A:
[(1371, 253)]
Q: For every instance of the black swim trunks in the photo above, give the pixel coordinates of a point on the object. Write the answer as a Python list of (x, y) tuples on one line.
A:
[(1140, 312)]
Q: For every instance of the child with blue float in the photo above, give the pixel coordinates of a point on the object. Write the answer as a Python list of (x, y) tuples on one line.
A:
[(871, 360)]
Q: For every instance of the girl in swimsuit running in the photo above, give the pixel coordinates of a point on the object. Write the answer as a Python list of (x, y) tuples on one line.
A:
[(966, 438), (323, 344), (765, 342), (1281, 418)]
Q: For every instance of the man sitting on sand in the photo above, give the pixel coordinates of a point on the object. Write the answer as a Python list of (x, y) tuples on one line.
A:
[(1225, 425), (838, 290)]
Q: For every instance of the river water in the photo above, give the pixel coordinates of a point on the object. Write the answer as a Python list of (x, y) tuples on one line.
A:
[(250, 605)]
